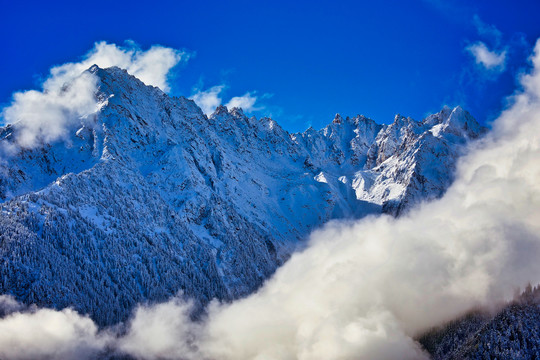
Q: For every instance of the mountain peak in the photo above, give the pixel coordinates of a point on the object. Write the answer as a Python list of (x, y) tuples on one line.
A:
[(237, 112), (461, 120), (456, 121), (94, 68), (220, 110), (337, 119)]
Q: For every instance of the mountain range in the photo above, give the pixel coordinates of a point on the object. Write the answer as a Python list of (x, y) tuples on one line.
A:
[(149, 197)]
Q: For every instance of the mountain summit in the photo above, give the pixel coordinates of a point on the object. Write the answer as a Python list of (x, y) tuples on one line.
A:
[(149, 196)]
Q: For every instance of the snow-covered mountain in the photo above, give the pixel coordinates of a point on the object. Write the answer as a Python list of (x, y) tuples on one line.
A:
[(149, 196)]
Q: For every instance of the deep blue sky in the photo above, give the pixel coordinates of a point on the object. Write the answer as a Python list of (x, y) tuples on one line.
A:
[(316, 58)]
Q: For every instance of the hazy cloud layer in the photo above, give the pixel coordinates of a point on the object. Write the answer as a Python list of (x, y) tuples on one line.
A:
[(68, 94), (362, 289)]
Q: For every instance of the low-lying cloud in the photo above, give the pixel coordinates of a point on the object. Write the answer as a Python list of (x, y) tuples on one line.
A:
[(48, 334), (69, 93), (360, 290)]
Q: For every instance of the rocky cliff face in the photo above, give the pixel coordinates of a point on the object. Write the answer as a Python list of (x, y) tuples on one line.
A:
[(149, 197)]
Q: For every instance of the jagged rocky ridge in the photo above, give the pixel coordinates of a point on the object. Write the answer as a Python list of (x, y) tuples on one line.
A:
[(149, 196)]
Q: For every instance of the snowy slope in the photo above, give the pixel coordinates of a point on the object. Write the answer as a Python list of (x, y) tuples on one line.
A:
[(511, 333), (150, 196)]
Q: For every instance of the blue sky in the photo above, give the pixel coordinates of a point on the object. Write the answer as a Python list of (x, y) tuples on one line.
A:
[(303, 61)]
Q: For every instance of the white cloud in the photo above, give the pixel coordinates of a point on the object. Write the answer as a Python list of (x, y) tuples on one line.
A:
[(208, 100), (154, 331), (49, 334), (151, 66), (45, 115), (68, 93), (361, 289), (490, 60), (246, 102)]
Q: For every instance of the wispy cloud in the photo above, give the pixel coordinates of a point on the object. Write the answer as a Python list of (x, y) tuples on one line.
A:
[(492, 58), (208, 100), (246, 102), (487, 30), (487, 59)]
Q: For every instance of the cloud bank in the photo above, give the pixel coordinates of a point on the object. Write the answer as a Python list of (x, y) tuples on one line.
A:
[(68, 93), (361, 289), (48, 334)]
